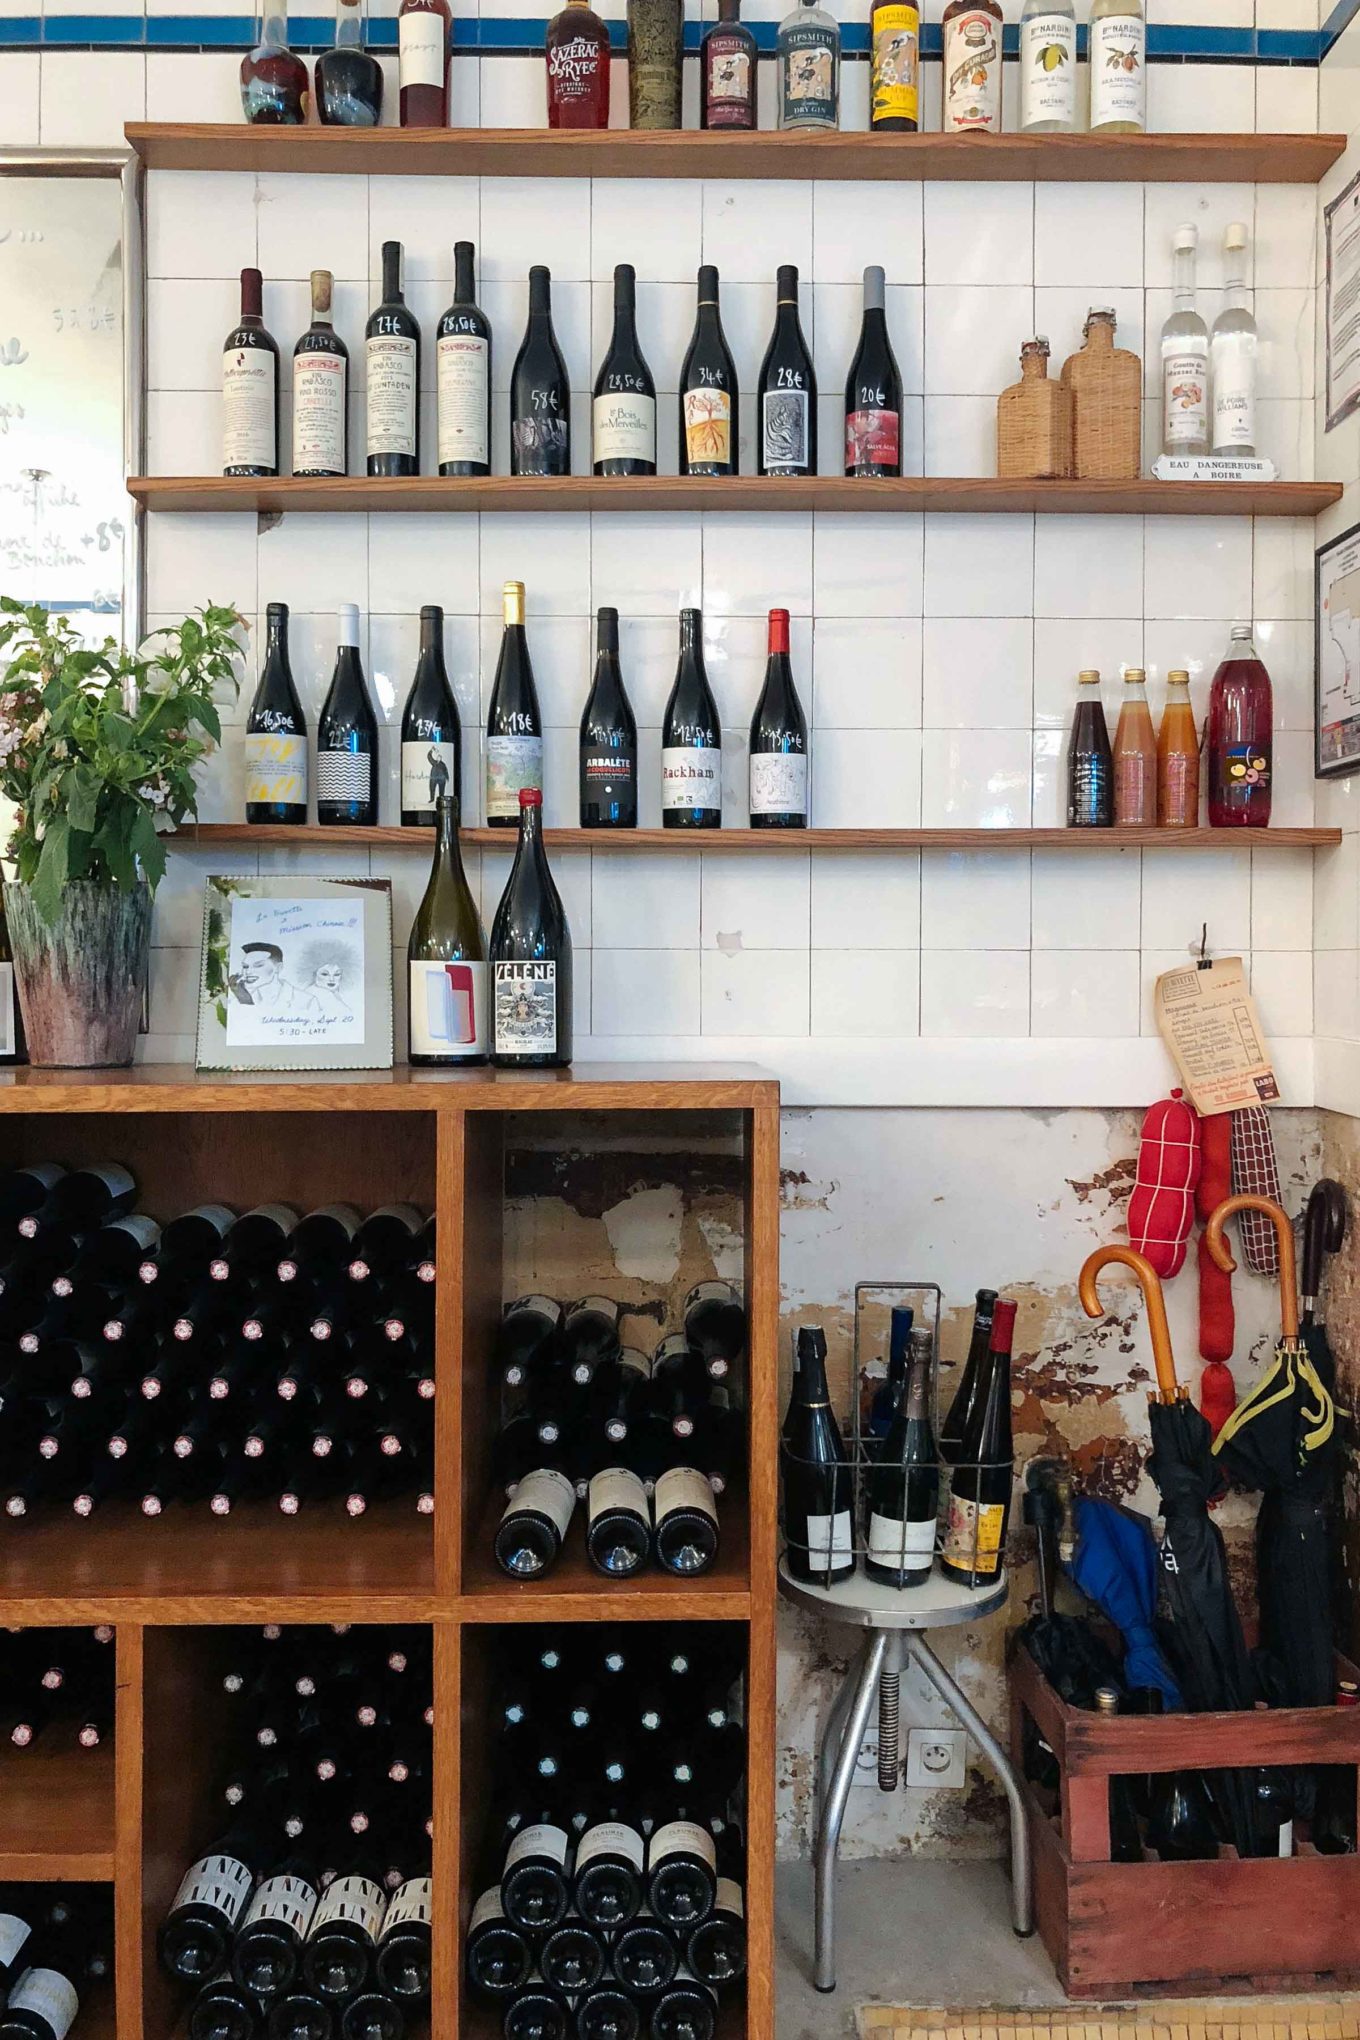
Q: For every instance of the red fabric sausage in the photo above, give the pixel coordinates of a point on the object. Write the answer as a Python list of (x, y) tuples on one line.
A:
[(1162, 1202), (1217, 1326)]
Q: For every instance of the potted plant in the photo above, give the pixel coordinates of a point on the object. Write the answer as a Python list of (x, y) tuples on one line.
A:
[(98, 748)]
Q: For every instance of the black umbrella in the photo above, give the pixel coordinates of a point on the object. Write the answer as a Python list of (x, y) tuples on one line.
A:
[(1324, 1228)]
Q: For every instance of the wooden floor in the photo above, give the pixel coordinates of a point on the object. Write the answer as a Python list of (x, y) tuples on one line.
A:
[(1302, 2018)]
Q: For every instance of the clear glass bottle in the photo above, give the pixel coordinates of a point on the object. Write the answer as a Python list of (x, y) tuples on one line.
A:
[(1048, 67), (349, 80), (972, 67), (1117, 49), (1239, 747), (1232, 354), (808, 53), (273, 79), (1135, 757), (1177, 757), (1185, 356)]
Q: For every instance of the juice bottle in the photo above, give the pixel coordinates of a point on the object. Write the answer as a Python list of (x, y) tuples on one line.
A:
[(1090, 771), (1177, 758), (1239, 738), (1135, 757)]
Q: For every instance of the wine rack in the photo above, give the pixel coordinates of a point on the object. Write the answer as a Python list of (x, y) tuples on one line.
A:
[(448, 1144)]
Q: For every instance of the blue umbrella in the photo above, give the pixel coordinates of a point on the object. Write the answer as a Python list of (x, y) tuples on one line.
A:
[(1115, 1565)]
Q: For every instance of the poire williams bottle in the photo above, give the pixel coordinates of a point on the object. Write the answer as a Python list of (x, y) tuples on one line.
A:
[(514, 725), (608, 738), (392, 364), (691, 739), (817, 1486), (540, 394), (808, 56), (873, 391), (423, 62), (531, 957), (273, 80), (779, 741), (577, 53), (708, 389), (349, 81), (623, 413), (446, 958), (463, 372), (276, 734), (250, 388), (727, 71), (347, 738), (321, 387), (786, 395), (431, 734)]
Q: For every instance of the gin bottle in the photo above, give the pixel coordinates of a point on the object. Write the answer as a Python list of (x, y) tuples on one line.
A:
[(808, 52), (1185, 358)]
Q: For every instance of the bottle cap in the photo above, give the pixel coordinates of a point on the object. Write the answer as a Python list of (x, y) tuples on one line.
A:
[(1235, 236), (708, 283), (1134, 676), (1003, 1323), (1241, 631), (1088, 677), (512, 601), (349, 623), (1178, 677), (786, 280), (1107, 1700), (1039, 345), (430, 612), (875, 288), (252, 293), (1185, 236), (276, 612), (779, 630)]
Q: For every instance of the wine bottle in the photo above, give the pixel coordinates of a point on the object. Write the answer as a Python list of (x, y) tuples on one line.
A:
[(446, 959), (779, 741), (686, 2010), (605, 2013), (25, 1189), (346, 778), (423, 62), (250, 388), (431, 732), (682, 1870), (385, 1243), (85, 1197), (341, 1942), (686, 1537), (392, 363), (187, 1245), (590, 1336), (298, 2015), (818, 1522), (112, 1254), (618, 1518), (538, 2013), (43, 2002), (514, 724), (606, 1887), (786, 393), (318, 1244), (13, 1041), (463, 375), (349, 80), (267, 1953), (904, 1489), (531, 976), (540, 393), (727, 73), (535, 1889), (223, 2011), (623, 414), (969, 1395), (691, 739), (256, 1241), (708, 380), (321, 375), (645, 1958), (15, 1934), (498, 1956), (974, 1547), (276, 734), (1126, 1845), (197, 1932), (883, 1408), (572, 1957), (608, 738), (527, 1339), (873, 389), (535, 1521), (716, 1950)]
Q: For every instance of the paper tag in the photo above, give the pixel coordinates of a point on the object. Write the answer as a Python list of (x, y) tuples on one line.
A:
[(1209, 1022), (421, 48)]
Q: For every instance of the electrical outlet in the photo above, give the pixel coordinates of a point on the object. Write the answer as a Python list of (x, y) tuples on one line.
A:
[(937, 1758)]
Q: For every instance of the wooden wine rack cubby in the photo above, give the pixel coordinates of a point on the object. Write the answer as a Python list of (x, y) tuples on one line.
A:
[(443, 1143)]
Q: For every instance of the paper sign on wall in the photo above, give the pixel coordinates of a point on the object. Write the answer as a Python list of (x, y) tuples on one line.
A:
[(1209, 1022)]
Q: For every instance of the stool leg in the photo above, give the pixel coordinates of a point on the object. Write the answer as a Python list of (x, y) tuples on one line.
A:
[(834, 1733), (831, 1812), (1022, 1893)]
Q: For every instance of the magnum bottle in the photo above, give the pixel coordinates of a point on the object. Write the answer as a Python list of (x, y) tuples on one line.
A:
[(608, 738), (818, 1513), (514, 724), (347, 737), (974, 1545), (446, 959), (463, 375), (276, 734), (531, 957), (431, 733), (708, 378)]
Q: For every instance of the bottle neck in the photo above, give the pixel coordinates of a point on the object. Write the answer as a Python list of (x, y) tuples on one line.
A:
[(607, 636), (625, 317), (274, 23), (447, 851), (811, 1376), (431, 633), (391, 266), (348, 24), (276, 634), (464, 286), (918, 1391), (540, 297), (729, 10), (689, 632), (1183, 279), (778, 647), (252, 297)]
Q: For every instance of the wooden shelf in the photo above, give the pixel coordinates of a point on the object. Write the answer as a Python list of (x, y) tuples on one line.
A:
[(617, 152), (56, 1812), (243, 835), (910, 494)]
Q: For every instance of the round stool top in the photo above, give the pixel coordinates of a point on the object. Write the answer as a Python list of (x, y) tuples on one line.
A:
[(937, 1603)]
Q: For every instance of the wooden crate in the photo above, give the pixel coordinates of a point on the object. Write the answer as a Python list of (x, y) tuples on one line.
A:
[(1230, 1925)]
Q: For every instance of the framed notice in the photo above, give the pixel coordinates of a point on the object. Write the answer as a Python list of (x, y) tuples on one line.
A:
[(296, 974), (1336, 655), (1342, 303)]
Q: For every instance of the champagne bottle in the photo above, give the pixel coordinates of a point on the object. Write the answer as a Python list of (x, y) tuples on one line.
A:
[(531, 976), (250, 388), (321, 390), (708, 378), (779, 741), (691, 739), (463, 371), (623, 413), (974, 1547), (392, 367), (446, 959), (786, 394), (540, 393), (904, 1490), (883, 1408), (818, 1520), (431, 734), (608, 738), (276, 734), (873, 390), (346, 746), (514, 726), (969, 1395)]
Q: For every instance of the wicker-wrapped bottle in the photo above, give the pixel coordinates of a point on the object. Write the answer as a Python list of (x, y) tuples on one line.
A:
[(1034, 421), (1107, 403)]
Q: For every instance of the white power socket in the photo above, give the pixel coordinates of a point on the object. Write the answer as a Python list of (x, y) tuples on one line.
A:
[(937, 1758)]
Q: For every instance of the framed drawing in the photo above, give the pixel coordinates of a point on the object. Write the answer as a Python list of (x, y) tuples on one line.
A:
[(296, 974), (1336, 656)]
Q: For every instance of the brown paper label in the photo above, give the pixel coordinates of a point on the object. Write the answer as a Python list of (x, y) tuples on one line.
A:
[(1209, 1022)]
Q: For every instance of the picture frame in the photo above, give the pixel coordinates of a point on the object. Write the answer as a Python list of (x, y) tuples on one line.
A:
[(1336, 656), (295, 974)]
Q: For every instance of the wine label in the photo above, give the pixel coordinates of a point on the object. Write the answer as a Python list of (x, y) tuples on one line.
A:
[(1048, 70), (319, 395), (428, 765), (681, 1838), (421, 52), (290, 1901), (784, 418), (1185, 399), (708, 423), (602, 1306), (344, 775), (356, 1899), (448, 1009), (411, 1901), (710, 1292), (8, 1031), (896, 60), (543, 1840), (276, 768), (610, 1838), (691, 777), (684, 1487), (779, 783), (895, 1543), (50, 1996), (873, 438), (525, 1011), (972, 1535), (607, 776), (1117, 55), (1234, 399), (617, 1487), (462, 368), (830, 1542), (623, 426), (807, 77), (729, 81), (729, 1898), (249, 420), (512, 764), (1244, 765), (13, 1933), (972, 72), (219, 1882), (545, 1492), (392, 393)]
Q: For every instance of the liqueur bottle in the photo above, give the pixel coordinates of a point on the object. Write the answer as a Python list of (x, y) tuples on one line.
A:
[(972, 67), (655, 51), (1048, 66), (1090, 760), (895, 45), (273, 80), (531, 1016), (708, 389), (1117, 56), (779, 741), (873, 391), (321, 388), (1232, 351), (463, 375), (446, 958), (540, 394), (514, 725), (1185, 357), (623, 412), (431, 733), (727, 71), (349, 81), (577, 61), (423, 62), (808, 60), (608, 738), (276, 734), (1239, 747), (250, 388), (691, 739), (786, 393)]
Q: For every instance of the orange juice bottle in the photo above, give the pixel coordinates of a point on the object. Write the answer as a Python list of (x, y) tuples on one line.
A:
[(1135, 757), (1177, 758)]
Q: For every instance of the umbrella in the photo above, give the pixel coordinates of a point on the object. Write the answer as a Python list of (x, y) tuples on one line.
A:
[(1324, 1228), (1209, 1654), (1115, 1565), (1067, 1650)]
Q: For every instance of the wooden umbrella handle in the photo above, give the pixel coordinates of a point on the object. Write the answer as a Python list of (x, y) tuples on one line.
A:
[(1150, 1282), (1247, 1200)]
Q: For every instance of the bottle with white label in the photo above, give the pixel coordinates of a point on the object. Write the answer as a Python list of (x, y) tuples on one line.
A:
[(1185, 356), (606, 1884), (250, 388), (1117, 52), (446, 959), (431, 730), (401, 1965), (535, 1886), (1048, 66), (276, 734), (42, 2004), (686, 1534), (497, 1955), (346, 762), (15, 1937), (392, 375), (321, 390), (682, 1867), (530, 1532), (463, 374), (197, 1932), (618, 1515), (267, 1954), (904, 1488), (1232, 354), (972, 67), (779, 741), (531, 957), (423, 62), (716, 1950), (514, 723), (691, 739), (338, 1954), (818, 1508), (623, 410)]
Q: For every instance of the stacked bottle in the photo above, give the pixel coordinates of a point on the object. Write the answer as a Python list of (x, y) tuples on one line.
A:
[(56, 1689), (56, 1950)]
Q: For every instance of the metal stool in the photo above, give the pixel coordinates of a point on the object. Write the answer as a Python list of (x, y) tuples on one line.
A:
[(896, 1621)]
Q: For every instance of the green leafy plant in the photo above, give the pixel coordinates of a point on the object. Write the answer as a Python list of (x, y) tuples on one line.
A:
[(98, 744)]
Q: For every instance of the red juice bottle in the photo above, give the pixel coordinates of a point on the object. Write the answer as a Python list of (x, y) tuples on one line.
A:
[(1239, 747)]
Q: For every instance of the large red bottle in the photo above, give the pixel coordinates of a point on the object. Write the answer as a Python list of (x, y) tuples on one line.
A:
[(1240, 732)]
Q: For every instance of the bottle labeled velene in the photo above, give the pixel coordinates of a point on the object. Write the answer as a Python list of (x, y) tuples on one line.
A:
[(514, 726), (320, 390), (446, 959), (250, 388), (347, 737), (276, 734), (531, 975), (894, 102), (691, 739), (779, 741), (463, 375), (431, 733)]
